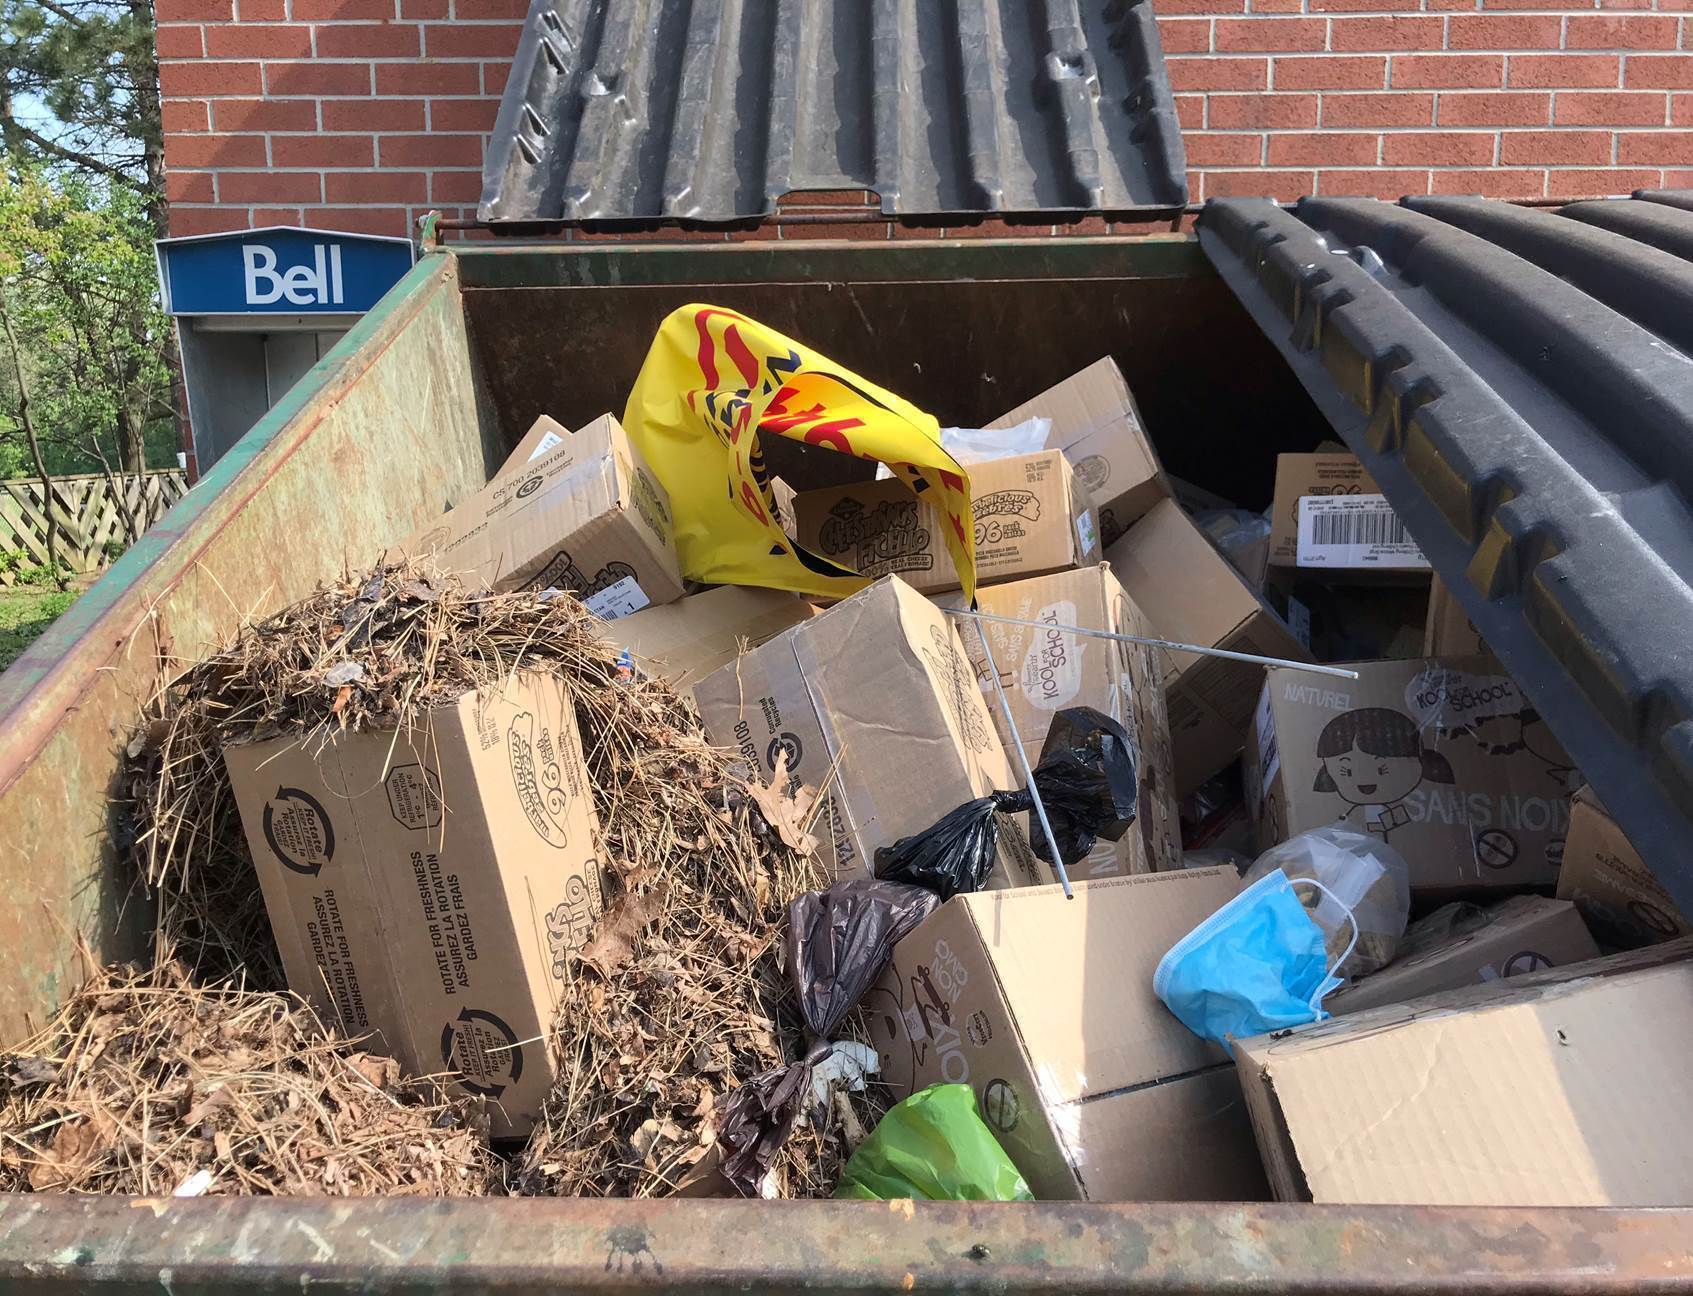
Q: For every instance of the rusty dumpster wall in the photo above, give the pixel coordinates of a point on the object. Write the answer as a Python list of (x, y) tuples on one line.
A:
[(395, 428)]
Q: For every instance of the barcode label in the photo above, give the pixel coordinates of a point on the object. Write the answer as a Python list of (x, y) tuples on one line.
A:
[(620, 598), (1354, 531)]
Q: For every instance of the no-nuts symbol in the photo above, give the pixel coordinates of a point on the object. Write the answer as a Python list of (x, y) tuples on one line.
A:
[(1495, 848)]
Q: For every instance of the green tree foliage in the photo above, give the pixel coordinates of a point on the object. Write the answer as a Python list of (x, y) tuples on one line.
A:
[(79, 286), (79, 87)]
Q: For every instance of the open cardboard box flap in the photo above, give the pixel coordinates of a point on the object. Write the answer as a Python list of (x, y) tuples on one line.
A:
[(1559, 1088)]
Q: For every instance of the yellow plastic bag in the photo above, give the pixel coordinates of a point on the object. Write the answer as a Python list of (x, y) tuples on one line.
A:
[(711, 381)]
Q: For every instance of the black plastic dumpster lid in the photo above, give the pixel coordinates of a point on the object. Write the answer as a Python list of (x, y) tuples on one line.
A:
[(640, 111), (1520, 384)]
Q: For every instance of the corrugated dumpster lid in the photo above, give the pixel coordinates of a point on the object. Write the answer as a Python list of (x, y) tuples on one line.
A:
[(1520, 383), (652, 112)]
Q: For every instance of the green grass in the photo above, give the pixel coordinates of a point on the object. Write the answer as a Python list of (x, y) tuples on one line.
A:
[(24, 613)]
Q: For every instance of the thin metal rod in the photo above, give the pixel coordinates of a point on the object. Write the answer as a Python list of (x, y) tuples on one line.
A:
[(1256, 660), (1023, 760)]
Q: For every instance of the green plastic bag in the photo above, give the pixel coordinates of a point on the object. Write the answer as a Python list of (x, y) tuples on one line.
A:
[(933, 1147)]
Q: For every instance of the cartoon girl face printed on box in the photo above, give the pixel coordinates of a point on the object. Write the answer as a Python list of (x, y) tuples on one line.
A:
[(1374, 758)]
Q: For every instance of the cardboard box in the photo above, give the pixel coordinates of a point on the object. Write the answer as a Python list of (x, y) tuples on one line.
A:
[(1445, 759), (1044, 670), (1329, 514), (875, 702), (1559, 1088), (1519, 935), (587, 516), (1044, 1006), (429, 887), (1096, 423), (1622, 899), (544, 436), (684, 641), (1031, 517), (1192, 594), (1448, 631)]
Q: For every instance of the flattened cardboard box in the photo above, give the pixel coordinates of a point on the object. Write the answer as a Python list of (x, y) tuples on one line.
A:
[(1444, 759), (1044, 1007), (1031, 517), (1560, 1088), (873, 701), (1519, 935), (1192, 594), (1045, 670), (1096, 423), (586, 516), (1622, 899), (430, 888), (684, 641)]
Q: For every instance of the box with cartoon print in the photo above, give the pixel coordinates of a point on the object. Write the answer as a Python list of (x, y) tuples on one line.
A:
[(427, 886), (1444, 759)]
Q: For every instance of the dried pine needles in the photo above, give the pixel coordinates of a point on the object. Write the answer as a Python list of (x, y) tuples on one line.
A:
[(679, 994), (147, 1083)]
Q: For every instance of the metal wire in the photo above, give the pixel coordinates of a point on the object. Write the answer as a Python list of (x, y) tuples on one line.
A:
[(1226, 653), (1023, 760)]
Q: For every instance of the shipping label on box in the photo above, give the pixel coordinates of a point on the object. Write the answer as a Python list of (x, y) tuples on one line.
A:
[(1096, 423), (1045, 669), (1355, 531), (1044, 1007), (1192, 594), (1321, 476), (587, 516), (1622, 899), (1444, 759), (874, 702), (430, 886), (1031, 517)]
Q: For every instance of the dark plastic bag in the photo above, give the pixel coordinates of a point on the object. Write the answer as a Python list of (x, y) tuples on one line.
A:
[(1086, 780), (955, 855), (839, 941), (933, 1147)]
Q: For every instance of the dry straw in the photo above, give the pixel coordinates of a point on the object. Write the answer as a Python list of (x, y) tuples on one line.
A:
[(680, 993)]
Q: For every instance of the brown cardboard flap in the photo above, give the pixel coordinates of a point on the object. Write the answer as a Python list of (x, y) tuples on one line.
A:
[(1620, 897), (1096, 423), (1551, 1090), (1519, 935), (685, 641)]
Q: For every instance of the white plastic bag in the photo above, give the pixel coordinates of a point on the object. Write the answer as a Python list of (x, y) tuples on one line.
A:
[(977, 445), (1362, 875)]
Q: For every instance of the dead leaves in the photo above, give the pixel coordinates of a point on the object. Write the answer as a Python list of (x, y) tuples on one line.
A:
[(786, 808), (613, 941)]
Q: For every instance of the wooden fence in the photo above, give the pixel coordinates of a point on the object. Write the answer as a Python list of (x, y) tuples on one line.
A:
[(86, 507)]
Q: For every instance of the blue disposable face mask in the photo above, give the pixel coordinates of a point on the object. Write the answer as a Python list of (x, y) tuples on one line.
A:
[(1256, 965)]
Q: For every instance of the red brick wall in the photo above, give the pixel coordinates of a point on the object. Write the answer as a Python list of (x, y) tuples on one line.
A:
[(361, 114)]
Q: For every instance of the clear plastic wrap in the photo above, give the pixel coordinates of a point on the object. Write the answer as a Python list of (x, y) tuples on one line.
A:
[(1365, 875)]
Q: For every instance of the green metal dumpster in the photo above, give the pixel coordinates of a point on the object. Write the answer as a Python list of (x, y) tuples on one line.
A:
[(411, 412)]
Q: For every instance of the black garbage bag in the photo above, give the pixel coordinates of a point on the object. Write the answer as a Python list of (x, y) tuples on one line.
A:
[(839, 941), (956, 853), (1086, 780)]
